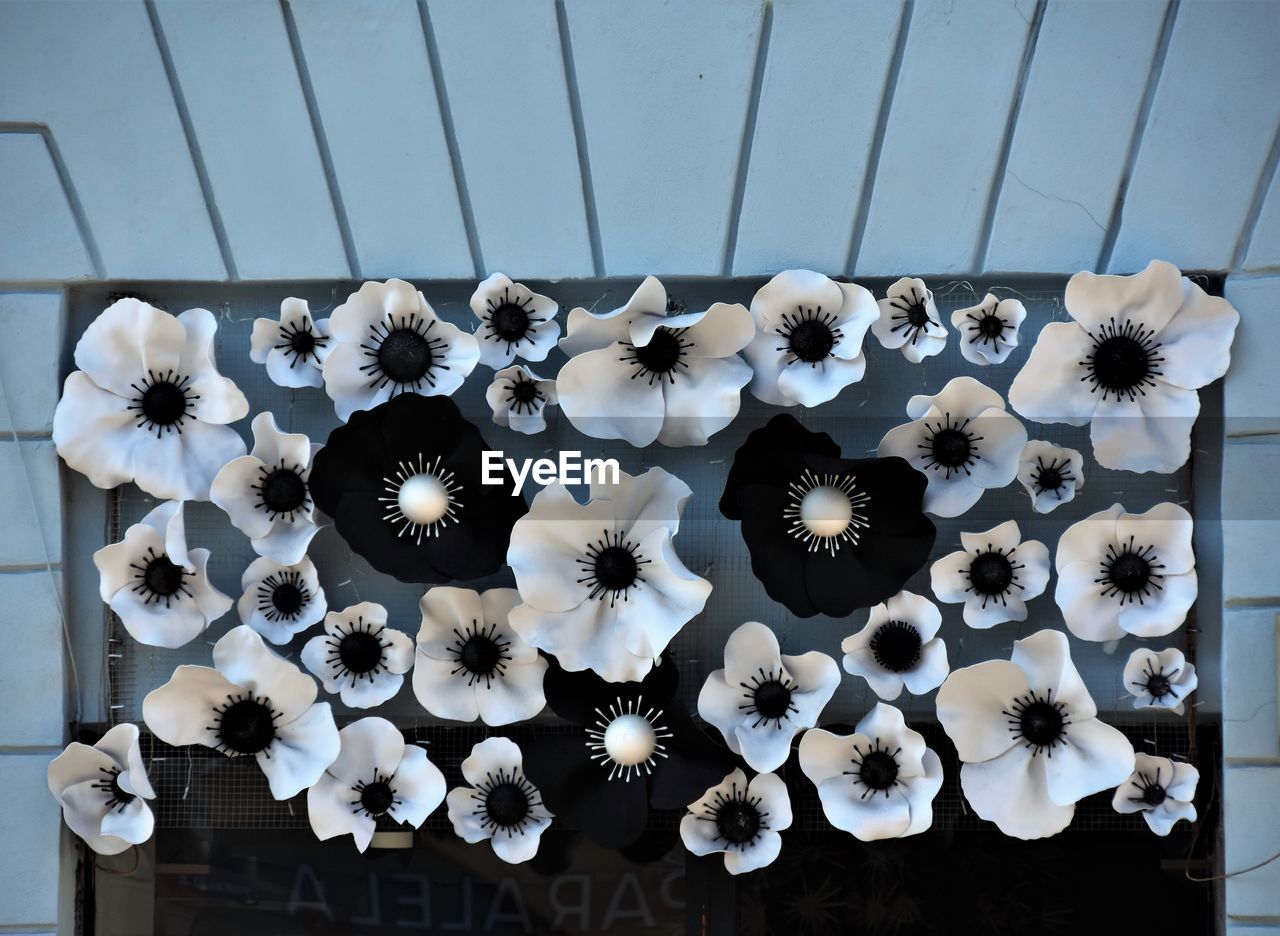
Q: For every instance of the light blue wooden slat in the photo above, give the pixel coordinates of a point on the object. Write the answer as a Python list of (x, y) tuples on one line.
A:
[(38, 234), (1251, 388), (819, 102), (32, 323), (514, 129), (1078, 114), (1264, 248), (376, 98), (236, 69), (1252, 830), (664, 90), (93, 74), (1210, 130)]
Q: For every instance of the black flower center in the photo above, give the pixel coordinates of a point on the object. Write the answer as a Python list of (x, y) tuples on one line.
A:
[(118, 793), (283, 595), (951, 448), (163, 577), (524, 391), (283, 491), (738, 822), (991, 326), (616, 568), (360, 651), (811, 341), (377, 797), (506, 804), (1130, 573), (896, 646), (480, 654), (611, 566), (509, 322), (302, 343), (164, 403), (878, 770), (773, 699), (917, 315), (1158, 686), (287, 599), (1049, 478), (405, 356), (1154, 795), (990, 573), (1125, 360), (246, 726), (1041, 724), (109, 784), (661, 359)]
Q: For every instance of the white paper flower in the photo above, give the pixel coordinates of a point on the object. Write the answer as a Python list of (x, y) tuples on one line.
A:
[(514, 322), (989, 331), (103, 791), (644, 372), (1160, 679), (500, 804), (1162, 790), (602, 586), (158, 586), (252, 702), (148, 404), (387, 340), (762, 698), (963, 441), (265, 492), (471, 663), (1129, 365), (993, 576), (1028, 735), (519, 399), (876, 783), (358, 657), (280, 601), (1051, 474), (909, 320), (741, 820), (294, 347), (808, 341), (899, 647), (1121, 573), (376, 774)]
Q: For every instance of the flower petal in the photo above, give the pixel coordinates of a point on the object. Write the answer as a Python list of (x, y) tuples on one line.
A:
[(1150, 297), (1196, 344), (516, 697), (1045, 657), (1012, 792), (931, 671), (1096, 757), (753, 857), (369, 746), (814, 384), (180, 711), (246, 661), (217, 399), (1052, 385), (1002, 440), (330, 814), (302, 749), (1151, 433), (606, 397), (419, 786), (133, 822), (1165, 612), (971, 706), (750, 647), (1088, 614), (181, 466), (95, 432), (947, 577), (643, 503), (1165, 526), (703, 399), (128, 339)]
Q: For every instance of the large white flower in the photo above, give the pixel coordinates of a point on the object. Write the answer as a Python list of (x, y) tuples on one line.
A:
[(876, 783), (994, 576), (1162, 790), (375, 774), (293, 347), (103, 791), (148, 404), (1121, 573), (763, 698), (643, 373), (899, 647), (514, 322), (808, 341), (519, 399), (909, 320), (1051, 474), (252, 702), (741, 820), (280, 601), (1129, 364), (265, 492), (963, 440), (387, 340), (602, 586), (1160, 679), (1029, 737), (500, 804), (159, 587), (989, 330), (358, 657)]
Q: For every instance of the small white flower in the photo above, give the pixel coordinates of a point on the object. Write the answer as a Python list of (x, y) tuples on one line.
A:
[(148, 404), (909, 320), (993, 576), (280, 601), (358, 656), (471, 663), (376, 774), (265, 492), (387, 340), (1121, 573), (514, 322), (1129, 365), (963, 441), (899, 647), (1162, 790), (808, 341), (253, 702), (1027, 733), (293, 348), (519, 399), (1050, 473), (741, 820), (103, 791), (877, 783), (1160, 679), (989, 330), (500, 805), (158, 586), (762, 698), (642, 373)]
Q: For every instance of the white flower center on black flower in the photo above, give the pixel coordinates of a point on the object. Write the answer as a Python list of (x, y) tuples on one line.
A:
[(282, 596), (423, 499), (896, 646), (1055, 476), (661, 359), (911, 313), (987, 327), (1152, 790), (507, 801), (993, 574), (1038, 721), (738, 818), (876, 768), (404, 354), (162, 402), (1130, 572), (299, 343), (282, 491), (1157, 683), (245, 724), (375, 797), (109, 784), (628, 740), (158, 578), (523, 395), (510, 321), (768, 697), (481, 654), (825, 511), (357, 652), (949, 446), (611, 566), (809, 335), (1125, 360)]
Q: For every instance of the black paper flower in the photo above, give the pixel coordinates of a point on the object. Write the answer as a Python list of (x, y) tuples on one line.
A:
[(402, 482), (826, 534), (633, 747)]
